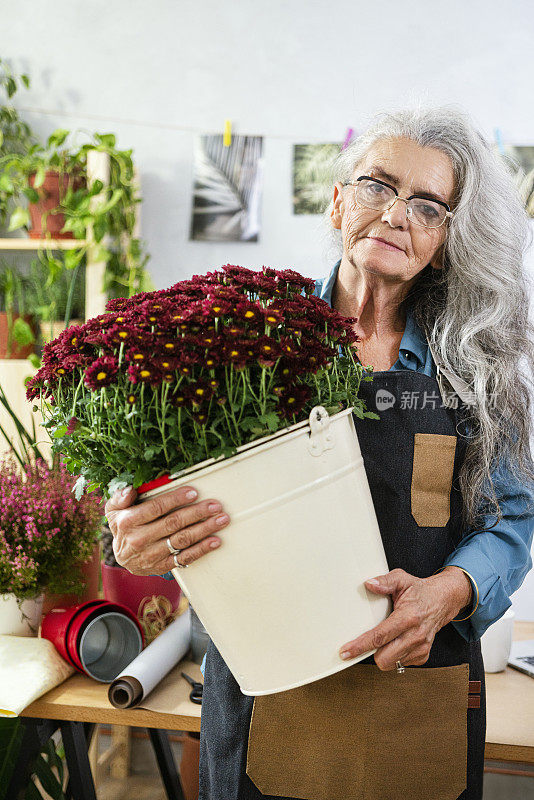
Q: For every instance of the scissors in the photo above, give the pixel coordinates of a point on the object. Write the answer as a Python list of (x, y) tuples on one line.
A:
[(196, 692)]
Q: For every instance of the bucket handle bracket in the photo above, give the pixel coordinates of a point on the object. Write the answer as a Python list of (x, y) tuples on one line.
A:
[(321, 437)]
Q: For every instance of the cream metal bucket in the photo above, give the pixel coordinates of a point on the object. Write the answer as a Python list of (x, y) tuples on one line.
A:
[(285, 590)]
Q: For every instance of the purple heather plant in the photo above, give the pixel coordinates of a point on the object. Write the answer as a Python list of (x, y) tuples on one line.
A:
[(45, 533)]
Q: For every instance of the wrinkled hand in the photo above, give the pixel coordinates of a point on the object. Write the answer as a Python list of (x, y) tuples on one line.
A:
[(421, 606), (140, 531)]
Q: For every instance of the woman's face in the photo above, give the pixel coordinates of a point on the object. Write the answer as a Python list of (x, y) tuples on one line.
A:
[(415, 168)]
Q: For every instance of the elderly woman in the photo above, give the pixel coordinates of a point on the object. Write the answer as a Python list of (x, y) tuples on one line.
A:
[(432, 234)]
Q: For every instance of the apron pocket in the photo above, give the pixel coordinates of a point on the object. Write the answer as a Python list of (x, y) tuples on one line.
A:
[(433, 466), (364, 734)]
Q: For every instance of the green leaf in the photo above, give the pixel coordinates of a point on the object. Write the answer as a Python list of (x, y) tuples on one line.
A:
[(25, 80), (11, 735), (79, 486), (60, 431), (11, 87), (22, 333), (6, 184), (19, 218), (39, 176), (34, 360), (107, 139), (49, 782), (31, 194), (371, 415), (57, 138), (100, 228), (73, 258)]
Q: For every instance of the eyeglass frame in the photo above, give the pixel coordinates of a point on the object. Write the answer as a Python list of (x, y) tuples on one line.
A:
[(397, 197)]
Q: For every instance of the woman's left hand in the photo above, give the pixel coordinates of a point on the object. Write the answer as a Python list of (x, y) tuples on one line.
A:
[(421, 606)]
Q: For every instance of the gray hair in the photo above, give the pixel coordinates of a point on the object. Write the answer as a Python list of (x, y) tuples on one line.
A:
[(475, 311)]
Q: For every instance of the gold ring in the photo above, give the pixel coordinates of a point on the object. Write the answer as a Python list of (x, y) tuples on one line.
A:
[(400, 668)]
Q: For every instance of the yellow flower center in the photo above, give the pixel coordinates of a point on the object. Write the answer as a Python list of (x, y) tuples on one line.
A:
[(145, 373), (101, 376), (123, 334), (169, 346), (249, 314), (137, 356)]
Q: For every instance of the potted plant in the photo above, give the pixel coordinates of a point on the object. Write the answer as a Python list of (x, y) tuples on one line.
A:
[(44, 174), (64, 203), (57, 298), (227, 381), (15, 134), (16, 332), (44, 533)]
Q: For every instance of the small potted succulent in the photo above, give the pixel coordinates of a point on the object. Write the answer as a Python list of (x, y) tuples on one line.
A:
[(245, 385)]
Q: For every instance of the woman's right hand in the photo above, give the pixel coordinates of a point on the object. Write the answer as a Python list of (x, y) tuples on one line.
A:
[(140, 532)]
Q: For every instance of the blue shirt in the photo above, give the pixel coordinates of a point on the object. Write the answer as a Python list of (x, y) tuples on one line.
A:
[(498, 560)]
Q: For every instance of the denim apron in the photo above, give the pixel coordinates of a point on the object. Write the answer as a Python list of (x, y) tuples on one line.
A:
[(260, 747)]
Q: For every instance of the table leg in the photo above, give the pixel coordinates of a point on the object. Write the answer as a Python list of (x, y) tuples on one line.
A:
[(75, 743), (89, 729), (167, 767)]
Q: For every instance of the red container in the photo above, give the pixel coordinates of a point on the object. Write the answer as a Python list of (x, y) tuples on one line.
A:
[(85, 613), (64, 627)]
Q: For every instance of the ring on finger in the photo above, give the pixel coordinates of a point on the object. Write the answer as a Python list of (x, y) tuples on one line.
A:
[(176, 562), (172, 550), (399, 666)]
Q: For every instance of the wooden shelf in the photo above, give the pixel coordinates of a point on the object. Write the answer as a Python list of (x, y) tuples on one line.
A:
[(41, 244)]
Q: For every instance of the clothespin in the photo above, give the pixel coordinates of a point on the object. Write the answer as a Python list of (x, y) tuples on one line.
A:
[(348, 138), (227, 136), (498, 139)]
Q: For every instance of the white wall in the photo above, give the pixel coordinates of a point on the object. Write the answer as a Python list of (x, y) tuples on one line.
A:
[(155, 73)]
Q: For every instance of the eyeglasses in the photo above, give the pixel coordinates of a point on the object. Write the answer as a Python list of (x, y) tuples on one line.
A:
[(375, 194)]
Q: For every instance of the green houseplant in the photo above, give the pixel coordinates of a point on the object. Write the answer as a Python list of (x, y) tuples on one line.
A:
[(15, 134), (109, 210), (16, 333)]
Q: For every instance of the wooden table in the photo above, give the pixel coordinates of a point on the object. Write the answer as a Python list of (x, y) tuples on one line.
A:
[(81, 701), (510, 710)]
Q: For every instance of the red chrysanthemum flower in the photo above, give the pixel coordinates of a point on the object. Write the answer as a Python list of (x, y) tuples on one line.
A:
[(101, 372)]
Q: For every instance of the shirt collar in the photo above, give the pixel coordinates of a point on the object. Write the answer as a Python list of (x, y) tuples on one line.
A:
[(412, 342)]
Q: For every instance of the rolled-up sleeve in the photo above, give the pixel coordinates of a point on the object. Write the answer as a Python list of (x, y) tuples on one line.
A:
[(498, 557)]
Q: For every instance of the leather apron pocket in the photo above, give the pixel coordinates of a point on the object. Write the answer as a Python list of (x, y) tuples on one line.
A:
[(433, 467), (364, 734)]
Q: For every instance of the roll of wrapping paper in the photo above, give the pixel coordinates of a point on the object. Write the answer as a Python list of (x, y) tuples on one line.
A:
[(152, 664)]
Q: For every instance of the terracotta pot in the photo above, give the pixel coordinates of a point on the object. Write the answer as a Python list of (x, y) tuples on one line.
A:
[(16, 350), (51, 330), (189, 765), (91, 575), (51, 191), (154, 600)]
